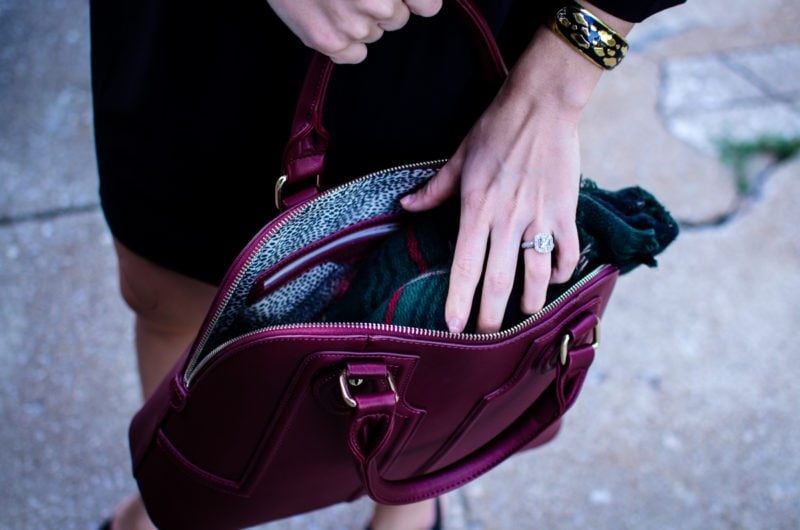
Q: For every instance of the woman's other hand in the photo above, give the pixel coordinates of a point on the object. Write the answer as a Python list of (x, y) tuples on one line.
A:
[(341, 29), (518, 174)]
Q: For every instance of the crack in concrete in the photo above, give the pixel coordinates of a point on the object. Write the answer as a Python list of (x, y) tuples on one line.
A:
[(740, 103), (768, 94), (48, 215), (743, 201), (729, 60)]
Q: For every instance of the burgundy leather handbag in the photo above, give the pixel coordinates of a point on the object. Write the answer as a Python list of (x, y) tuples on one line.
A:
[(271, 412)]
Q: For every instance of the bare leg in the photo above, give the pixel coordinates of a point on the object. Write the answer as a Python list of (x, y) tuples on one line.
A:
[(418, 516), (169, 309)]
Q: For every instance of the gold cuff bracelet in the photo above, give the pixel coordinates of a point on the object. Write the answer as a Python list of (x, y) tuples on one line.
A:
[(589, 35)]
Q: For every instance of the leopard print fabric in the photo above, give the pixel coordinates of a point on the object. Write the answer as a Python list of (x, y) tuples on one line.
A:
[(302, 299)]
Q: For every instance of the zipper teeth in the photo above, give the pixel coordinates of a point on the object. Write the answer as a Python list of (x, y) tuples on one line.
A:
[(418, 332), (193, 363)]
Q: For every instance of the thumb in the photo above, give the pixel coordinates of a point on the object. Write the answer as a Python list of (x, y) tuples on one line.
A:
[(438, 189), (424, 8)]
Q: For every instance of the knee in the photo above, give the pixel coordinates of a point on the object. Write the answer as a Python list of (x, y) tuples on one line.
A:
[(140, 288), (136, 294), (159, 296)]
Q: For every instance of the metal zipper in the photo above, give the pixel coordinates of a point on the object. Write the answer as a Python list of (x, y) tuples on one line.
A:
[(191, 368), (414, 332)]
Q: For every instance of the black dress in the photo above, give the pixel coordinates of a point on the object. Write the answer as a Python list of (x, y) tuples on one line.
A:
[(193, 100)]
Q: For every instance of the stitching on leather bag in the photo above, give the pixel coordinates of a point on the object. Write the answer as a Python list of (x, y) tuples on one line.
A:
[(193, 471), (488, 399), (248, 342), (472, 476), (416, 416), (257, 463)]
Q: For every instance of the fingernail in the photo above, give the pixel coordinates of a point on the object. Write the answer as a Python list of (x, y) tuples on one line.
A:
[(408, 200), (455, 325)]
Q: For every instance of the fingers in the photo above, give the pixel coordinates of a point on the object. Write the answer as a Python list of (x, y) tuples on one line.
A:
[(438, 189), (378, 9), (352, 54), (424, 8), (567, 253), (388, 15), (498, 280), (542, 269), (353, 36), (485, 225), (397, 20), (468, 260), (359, 23), (497, 219), (537, 268)]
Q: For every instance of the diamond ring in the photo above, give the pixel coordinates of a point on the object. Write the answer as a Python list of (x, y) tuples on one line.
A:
[(542, 243)]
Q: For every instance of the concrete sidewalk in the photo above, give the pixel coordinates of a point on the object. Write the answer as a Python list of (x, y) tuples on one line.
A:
[(688, 419)]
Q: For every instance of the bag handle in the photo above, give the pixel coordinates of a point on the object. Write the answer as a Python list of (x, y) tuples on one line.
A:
[(372, 424), (304, 156)]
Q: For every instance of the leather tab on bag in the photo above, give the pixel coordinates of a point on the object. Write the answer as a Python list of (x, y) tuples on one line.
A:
[(572, 375), (371, 426), (177, 394), (583, 327), (367, 370), (304, 155)]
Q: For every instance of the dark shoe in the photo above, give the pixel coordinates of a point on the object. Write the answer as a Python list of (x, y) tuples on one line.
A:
[(437, 524)]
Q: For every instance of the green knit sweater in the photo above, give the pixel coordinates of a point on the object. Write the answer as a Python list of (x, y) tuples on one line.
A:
[(405, 281)]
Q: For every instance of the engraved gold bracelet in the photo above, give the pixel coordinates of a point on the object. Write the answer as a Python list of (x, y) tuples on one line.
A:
[(589, 35)]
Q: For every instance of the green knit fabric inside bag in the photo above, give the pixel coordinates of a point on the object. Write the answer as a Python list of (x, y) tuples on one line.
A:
[(405, 281)]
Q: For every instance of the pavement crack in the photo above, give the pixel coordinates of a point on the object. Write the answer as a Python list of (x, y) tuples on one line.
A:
[(731, 62), (743, 202), (48, 215)]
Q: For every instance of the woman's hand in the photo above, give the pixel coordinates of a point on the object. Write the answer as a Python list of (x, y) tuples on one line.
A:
[(341, 29), (518, 173)]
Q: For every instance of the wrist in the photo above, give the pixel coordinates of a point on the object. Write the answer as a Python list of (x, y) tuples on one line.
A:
[(590, 36), (551, 75), (552, 72)]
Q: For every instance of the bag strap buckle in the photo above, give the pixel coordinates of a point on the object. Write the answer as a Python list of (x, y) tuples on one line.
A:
[(281, 182), (346, 382), (568, 338)]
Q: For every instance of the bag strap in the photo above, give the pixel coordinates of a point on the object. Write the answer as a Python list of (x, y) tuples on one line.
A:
[(304, 156)]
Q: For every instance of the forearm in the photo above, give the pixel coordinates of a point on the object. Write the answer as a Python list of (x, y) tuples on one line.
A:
[(554, 76)]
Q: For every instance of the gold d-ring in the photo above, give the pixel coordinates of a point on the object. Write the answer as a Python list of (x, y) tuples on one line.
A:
[(345, 383), (567, 338)]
